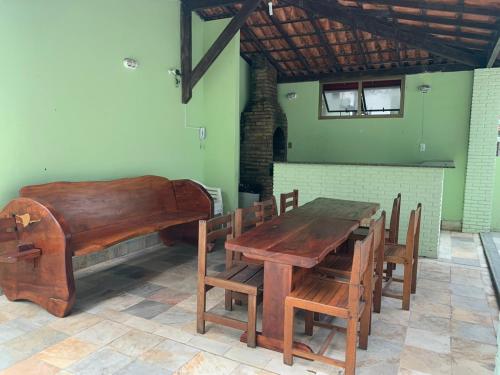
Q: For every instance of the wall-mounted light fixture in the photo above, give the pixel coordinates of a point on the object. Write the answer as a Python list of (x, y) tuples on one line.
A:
[(424, 89), (270, 6), (177, 75), (291, 95), (130, 63)]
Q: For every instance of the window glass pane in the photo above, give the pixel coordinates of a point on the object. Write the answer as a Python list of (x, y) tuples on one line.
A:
[(381, 97), (340, 102)]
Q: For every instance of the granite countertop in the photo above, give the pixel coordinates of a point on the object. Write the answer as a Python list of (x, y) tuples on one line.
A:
[(424, 164)]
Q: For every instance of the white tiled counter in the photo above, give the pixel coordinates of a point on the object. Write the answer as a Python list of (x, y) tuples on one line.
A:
[(373, 183)]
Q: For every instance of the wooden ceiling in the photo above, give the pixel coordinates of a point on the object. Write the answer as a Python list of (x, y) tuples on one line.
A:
[(317, 39)]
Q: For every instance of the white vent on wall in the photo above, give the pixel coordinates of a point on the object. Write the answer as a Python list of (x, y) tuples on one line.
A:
[(216, 194)]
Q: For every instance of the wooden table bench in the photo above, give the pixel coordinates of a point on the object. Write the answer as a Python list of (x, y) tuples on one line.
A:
[(67, 219)]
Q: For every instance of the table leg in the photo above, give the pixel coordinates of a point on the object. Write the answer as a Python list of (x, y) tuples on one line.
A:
[(278, 283)]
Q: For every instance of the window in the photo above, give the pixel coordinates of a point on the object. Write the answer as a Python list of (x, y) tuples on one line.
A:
[(363, 98)]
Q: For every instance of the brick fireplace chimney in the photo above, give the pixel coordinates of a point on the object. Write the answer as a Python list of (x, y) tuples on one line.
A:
[(264, 128)]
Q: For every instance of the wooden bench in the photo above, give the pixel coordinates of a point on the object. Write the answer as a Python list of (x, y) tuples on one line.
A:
[(57, 221)]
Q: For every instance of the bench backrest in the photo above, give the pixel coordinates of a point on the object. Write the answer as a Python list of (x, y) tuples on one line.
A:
[(88, 205)]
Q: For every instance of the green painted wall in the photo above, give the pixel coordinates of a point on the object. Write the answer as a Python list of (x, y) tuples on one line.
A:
[(221, 117), (445, 130), (244, 84), (69, 110)]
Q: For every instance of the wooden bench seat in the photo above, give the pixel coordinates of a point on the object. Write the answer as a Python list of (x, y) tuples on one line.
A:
[(88, 242), (59, 220)]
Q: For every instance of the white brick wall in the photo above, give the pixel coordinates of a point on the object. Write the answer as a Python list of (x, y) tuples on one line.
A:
[(372, 184), (480, 175)]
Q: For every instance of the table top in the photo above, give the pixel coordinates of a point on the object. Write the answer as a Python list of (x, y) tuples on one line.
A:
[(304, 236)]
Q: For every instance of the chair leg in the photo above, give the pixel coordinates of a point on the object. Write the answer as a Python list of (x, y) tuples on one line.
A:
[(388, 271), (228, 300), (350, 351), (200, 313), (364, 328), (288, 335), (407, 281), (309, 323), (252, 321), (414, 276), (377, 294)]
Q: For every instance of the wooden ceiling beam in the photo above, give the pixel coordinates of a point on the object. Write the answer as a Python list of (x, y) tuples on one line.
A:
[(384, 29), (324, 42), (415, 4), (194, 76), (414, 69), (494, 54), (203, 4), (442, 20)]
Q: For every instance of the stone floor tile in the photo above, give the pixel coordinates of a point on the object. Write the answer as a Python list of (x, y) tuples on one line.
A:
[(169, 296), (119, 302), (35, 341), (139, 367), (436, 324), (145, 289), (428, 340), (135, 342), (170, 355), (175, 315), (250, 356), (473, 351), (208, 345), (467, 291), (474, 332), (462, 366), (425, 361), (9, 357), (75, 323), (66, 352), (174, 334), (102, 362), (431, 309), (389, 331), (301, 367), (31, 366), (249, 370), (432, 285), (205, 363), (103, 333), (142, 324), (147, 309), (468, 316), (471, 304)]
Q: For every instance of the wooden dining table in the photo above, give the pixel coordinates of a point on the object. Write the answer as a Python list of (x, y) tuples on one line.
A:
[(290, 245)]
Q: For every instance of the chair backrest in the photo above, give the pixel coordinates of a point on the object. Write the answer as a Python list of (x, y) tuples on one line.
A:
[(8, 229), (362, 269), (378, 229), (209, 231), (289, 200), (267, 210), (395, 216), (413, 232), (246, 219)]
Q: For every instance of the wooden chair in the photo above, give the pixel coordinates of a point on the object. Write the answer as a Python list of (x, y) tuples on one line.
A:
[(289, 200), (391, 234), (340, 266), (406, 255), (350, 300), (267, 210), (240, 277)]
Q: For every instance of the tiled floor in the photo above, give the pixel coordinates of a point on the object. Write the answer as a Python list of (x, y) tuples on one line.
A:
[(138, 317)]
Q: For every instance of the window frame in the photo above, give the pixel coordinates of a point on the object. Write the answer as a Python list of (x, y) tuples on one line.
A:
[(358, 114)]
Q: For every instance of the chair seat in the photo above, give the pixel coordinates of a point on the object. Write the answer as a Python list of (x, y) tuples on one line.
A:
[(242, 278), (395, 254), (321, 295)]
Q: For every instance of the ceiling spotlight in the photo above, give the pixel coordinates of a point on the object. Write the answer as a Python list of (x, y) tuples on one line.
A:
[(270, 5)]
